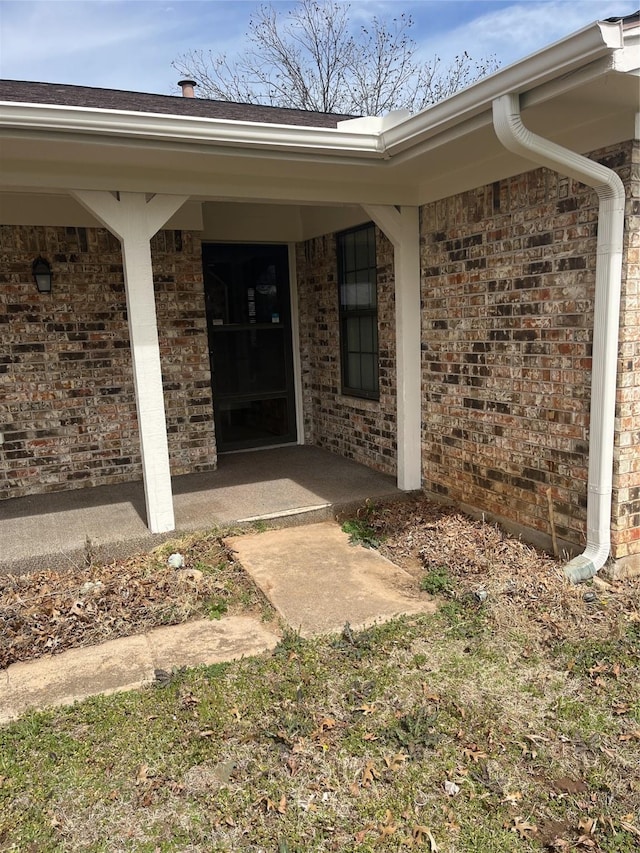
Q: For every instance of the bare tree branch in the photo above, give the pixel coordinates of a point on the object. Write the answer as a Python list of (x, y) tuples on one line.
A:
[(313, 58)]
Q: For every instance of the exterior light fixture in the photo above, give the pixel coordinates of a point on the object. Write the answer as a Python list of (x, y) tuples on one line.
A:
[(42, 275)]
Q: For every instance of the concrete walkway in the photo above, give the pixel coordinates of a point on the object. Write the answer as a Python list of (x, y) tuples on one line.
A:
[(314, 578), (317, 581), (127, 663)]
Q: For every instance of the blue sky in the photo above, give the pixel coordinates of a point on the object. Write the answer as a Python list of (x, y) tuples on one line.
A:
[(129, 44)]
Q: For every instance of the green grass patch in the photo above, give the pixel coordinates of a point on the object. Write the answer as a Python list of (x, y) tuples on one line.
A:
[(338, 743), (437, 581)]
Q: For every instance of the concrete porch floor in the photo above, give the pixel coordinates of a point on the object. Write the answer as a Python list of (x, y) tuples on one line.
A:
[(287, 485)]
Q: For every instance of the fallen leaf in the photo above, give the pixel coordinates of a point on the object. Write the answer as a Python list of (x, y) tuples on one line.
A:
[(421, 834), (587, 825), (388, 826), (366, 709), (634, 735), (362, 833), (428, 695), (265, 803), (369, 774), (625, 823), (188, 700), (395, 762), (524, 829), (325, 724), (620, 708), (472, 751), (512, 798)]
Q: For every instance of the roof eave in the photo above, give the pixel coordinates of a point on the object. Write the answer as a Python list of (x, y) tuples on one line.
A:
[(86, 121), (555, 68), (563, 58)]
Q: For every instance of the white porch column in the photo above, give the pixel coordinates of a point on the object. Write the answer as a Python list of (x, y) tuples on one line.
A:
[(402, 227), (134, 221)]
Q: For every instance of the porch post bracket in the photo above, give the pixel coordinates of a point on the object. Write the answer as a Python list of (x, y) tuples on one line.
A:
[(134, 220), (402, 226)]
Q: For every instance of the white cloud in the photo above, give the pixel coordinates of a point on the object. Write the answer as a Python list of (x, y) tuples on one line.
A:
[(129, 44), (514, 31), (111, 43)]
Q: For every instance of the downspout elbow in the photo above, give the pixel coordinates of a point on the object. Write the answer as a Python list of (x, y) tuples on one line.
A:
[(517, 138)]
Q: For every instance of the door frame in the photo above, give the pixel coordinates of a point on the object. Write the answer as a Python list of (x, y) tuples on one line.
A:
[(295, 344)]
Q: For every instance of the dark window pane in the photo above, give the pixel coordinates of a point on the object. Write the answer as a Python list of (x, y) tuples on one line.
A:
[(368, 378), (252, 420), (353, 370), (246, 361), (358, 310), (366, 333)]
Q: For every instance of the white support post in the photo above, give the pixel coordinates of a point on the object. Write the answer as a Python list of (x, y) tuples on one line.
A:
[(402, 227), (134, 221)]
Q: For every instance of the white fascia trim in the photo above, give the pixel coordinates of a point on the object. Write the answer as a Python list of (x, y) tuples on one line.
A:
[(562, 58), (558, 61), (186, 129)]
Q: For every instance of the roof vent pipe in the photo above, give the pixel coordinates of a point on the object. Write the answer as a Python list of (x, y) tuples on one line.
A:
[(188, 88), (517, 138)]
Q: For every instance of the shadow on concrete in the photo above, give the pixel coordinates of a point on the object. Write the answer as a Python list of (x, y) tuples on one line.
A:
[(293, 484)]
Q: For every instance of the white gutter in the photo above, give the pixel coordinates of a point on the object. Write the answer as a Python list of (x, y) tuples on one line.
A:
[(557, 61), (186, 129), (517, 138), (371, 139)]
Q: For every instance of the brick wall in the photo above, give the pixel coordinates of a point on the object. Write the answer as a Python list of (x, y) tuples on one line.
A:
[(508, 286), (626, 482), (359, 429), (67, 404)]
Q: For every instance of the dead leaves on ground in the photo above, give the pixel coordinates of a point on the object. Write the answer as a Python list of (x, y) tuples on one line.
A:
[(52, 611), (390, 828), (524, 585)]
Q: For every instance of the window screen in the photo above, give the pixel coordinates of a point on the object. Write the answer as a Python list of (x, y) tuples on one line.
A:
[(358, 311)]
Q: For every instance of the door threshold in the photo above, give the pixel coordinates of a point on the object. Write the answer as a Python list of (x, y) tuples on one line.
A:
[(257, 449)]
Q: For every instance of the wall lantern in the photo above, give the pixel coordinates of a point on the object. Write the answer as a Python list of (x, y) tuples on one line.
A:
[(42, 274)]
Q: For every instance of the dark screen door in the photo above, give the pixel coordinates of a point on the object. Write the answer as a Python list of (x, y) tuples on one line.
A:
[(249, 322)]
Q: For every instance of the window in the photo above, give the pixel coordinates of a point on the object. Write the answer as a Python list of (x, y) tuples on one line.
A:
[(358, 311)]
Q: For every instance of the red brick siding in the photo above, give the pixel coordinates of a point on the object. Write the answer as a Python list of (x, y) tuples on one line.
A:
[(363, 430), (508, 287), (67, 403), (626, 482)]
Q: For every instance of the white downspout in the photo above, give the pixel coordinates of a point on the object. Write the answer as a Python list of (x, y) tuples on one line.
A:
[(517, 138)]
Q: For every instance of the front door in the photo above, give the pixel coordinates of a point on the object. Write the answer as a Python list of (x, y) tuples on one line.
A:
[(249, 322)]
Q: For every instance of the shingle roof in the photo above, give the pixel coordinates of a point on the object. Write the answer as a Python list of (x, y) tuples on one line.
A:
[(114, 99)]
